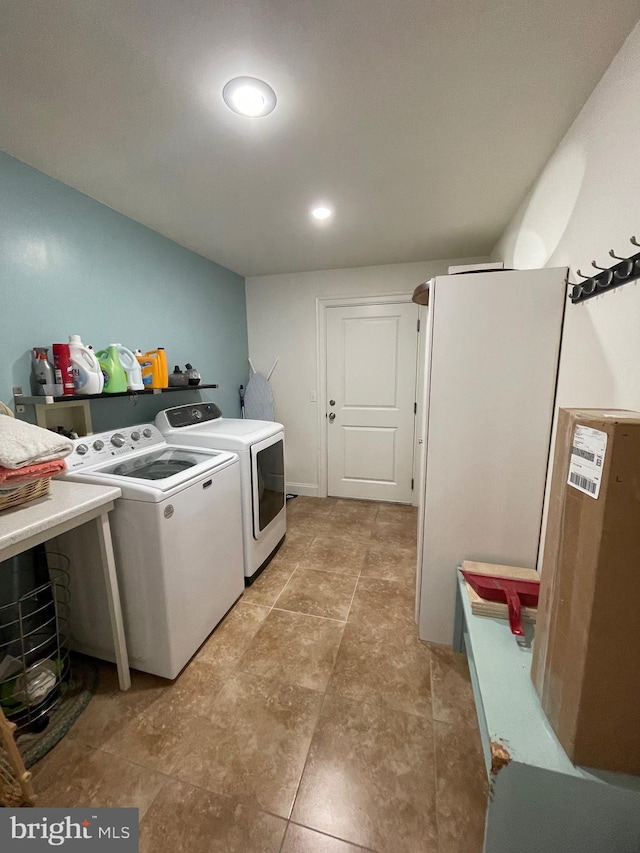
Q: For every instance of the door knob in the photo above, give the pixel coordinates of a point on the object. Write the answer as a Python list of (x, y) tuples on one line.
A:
[(332, 416)]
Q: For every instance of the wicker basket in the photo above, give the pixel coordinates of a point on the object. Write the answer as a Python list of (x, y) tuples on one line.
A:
[(28, 492), (15, 781)]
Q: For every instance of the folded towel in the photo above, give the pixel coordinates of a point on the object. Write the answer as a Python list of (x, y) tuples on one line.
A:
[(26, 444), (31, 473)]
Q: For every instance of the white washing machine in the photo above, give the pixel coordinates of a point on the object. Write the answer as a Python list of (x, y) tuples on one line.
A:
[(177, 539), (260, 446)]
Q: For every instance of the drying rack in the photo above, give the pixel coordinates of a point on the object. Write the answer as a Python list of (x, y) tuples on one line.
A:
[(607, 278)]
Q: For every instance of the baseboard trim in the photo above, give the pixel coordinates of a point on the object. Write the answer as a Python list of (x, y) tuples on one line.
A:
[(309, 490)]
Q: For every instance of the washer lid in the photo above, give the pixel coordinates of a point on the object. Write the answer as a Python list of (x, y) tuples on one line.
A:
[(155, 475), (157, 465)]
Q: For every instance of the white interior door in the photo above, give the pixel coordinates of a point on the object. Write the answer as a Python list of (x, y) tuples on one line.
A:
[(371, 386)]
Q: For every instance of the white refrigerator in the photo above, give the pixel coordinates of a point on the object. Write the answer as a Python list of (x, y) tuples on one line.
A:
[(492, 350)]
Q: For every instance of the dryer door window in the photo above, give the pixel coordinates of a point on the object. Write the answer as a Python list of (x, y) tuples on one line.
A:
[(267, 482)]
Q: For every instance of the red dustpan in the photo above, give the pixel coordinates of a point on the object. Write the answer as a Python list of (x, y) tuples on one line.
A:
[(516, 594)]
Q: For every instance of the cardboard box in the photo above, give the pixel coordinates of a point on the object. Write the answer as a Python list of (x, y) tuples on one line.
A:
[(586, 655)]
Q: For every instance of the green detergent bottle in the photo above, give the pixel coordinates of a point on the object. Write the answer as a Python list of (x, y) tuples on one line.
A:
[(115, 376)]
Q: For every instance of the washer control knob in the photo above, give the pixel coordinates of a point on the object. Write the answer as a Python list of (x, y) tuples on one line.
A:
[(135, 435), (147, 433), (81, 449), (98, 444), (196, 414), (117, 439)]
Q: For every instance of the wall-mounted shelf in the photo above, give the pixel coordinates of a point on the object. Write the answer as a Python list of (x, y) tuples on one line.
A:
[(44, 400), (72, 412)]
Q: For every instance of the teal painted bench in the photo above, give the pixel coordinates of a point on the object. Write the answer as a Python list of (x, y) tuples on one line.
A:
[(539, 802)]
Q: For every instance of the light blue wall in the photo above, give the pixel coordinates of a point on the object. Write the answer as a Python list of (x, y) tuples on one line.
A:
[(69, 265)]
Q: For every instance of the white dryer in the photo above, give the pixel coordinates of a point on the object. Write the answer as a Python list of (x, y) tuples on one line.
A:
[(260, 446), (177, 539)]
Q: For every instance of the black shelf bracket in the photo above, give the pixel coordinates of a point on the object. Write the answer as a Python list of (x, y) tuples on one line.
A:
[(606, 278)]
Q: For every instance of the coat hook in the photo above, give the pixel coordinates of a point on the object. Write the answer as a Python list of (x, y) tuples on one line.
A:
[(576, 292), (589, 285), (622, 270), (626, 272), (605, 282)]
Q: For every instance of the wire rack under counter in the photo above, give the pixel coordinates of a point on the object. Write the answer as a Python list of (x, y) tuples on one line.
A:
[(34, 647)]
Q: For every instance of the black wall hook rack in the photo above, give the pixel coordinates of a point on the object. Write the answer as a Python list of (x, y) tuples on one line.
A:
[(607, 278)]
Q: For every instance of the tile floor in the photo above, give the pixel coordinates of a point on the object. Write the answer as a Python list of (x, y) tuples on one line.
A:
[(313, 720)]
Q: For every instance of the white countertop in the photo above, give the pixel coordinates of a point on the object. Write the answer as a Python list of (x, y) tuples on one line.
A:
[(63, 507)]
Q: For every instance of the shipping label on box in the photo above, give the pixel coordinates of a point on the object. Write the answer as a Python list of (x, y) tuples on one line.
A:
[(587, 459)]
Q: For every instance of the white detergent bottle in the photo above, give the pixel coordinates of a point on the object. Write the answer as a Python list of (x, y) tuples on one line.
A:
[(87, 375), (132, 368)]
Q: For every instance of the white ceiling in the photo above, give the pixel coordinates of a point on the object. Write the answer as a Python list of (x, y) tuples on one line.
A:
[(424, 122)]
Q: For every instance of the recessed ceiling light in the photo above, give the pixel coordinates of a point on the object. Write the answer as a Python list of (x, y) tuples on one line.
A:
[(249, 96), (321, 213)]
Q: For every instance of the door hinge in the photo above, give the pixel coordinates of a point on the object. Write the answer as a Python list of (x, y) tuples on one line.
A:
[(412, 484), (418, 325), (415, 408)]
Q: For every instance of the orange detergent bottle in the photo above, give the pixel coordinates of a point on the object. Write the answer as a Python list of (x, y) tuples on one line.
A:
[(159, 368)]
